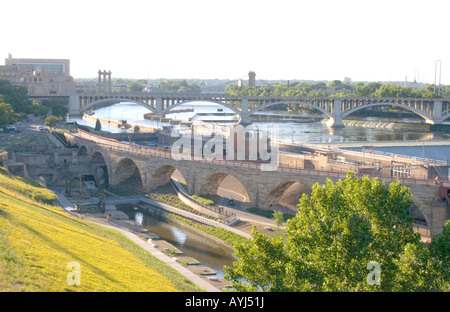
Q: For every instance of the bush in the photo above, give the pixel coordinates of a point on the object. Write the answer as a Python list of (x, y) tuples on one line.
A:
[(203, 200), (51, 121)]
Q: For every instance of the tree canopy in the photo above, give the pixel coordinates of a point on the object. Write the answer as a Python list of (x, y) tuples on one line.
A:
[(7, 114), (17, 98), (178, 86), (51, 121), (352, 235), (333, 89)]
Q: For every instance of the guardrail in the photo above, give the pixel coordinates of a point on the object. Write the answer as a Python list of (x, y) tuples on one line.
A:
[(230, 217), (181, 212), (413, 158)]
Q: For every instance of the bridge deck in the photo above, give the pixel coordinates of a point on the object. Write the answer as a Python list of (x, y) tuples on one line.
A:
[(156, 152)]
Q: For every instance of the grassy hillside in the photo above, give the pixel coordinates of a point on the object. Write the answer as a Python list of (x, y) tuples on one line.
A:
[(38, 241)]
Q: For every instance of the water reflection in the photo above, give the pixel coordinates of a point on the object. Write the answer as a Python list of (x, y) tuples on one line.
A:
[(139, 217), (179, 236), (206, 251)]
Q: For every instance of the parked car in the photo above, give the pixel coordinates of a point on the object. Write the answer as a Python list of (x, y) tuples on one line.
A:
[(43, 129), (231, 202), (11, 128)]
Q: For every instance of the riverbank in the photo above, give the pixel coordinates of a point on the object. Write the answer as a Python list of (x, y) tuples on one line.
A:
[(120, 125)]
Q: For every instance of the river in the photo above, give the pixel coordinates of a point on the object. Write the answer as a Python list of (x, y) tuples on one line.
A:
[(194, 245)]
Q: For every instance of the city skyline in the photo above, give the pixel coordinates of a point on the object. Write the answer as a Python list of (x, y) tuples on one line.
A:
[(286, 40)]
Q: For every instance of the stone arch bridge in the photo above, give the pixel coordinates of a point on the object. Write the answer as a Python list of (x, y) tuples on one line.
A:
[(433, 111), (119, 163)]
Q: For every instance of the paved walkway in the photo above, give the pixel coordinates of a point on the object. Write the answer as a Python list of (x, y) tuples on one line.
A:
[(70, 208)]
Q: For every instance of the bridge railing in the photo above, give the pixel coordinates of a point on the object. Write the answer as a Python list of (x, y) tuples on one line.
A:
[(424, 160), (182, 212), (151, 151), (229, 216)]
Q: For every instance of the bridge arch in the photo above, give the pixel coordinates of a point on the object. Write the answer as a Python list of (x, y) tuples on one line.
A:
[(109, 102), (286, 195), (446, 116), (82, 151), (162, 175), (225, 185), (168, 109), (320, 109), (422, 114), (127, 178), (100, 169)]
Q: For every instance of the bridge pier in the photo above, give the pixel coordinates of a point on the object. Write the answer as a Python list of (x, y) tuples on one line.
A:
[(245, 115), (159, 106), (74, 106), (336, 117), (335, 122), (437, 113)]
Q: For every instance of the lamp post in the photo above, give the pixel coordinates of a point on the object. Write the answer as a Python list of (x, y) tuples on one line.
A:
[(416, 78)]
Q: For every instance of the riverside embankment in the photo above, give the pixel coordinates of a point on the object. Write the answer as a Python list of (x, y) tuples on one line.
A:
[(396, 125)]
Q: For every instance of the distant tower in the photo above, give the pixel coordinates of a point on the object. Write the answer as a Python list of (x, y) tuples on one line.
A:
[(252, 79), (104, 81)]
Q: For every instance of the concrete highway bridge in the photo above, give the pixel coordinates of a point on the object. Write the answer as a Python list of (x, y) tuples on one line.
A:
[(433, 111), (149, 168)]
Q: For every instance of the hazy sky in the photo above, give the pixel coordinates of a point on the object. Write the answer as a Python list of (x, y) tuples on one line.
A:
[(281, 39)]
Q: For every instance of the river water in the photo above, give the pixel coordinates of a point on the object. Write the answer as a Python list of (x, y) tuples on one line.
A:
[(194, 245)]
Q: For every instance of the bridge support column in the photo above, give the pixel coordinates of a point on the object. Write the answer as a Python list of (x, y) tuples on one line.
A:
[(335, 122), (336, 119), (74, 106), (158, 106), (437, 113), (245, 117)]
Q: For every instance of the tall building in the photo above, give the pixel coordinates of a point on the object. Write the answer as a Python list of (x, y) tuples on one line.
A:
[(252, 79), (39, 76)]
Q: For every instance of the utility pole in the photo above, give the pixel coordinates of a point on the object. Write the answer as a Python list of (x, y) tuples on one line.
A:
[(435, 71)]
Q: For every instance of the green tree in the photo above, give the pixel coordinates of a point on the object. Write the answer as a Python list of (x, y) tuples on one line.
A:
[(7, 114), (38, 109), (135, 86), (278, 218), (58, 107), (440, 249), (367, 90), (339, 232), (98, 125), (51, 121), (16, 96)]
